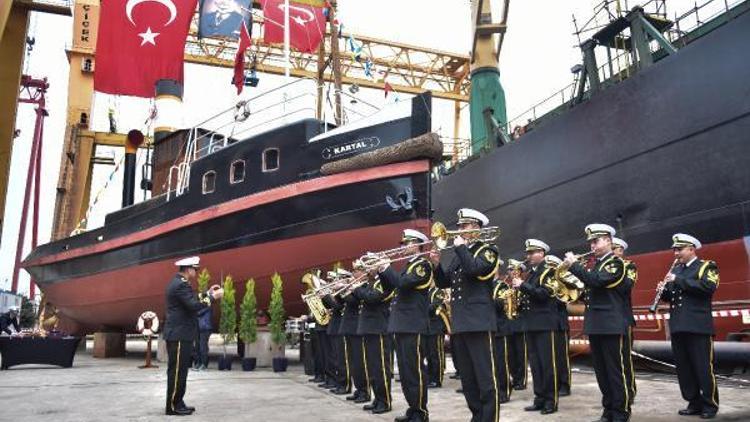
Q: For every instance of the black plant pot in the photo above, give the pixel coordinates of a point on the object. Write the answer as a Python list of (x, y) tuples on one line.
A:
[(280, 364), (248, 364), (225, 363)]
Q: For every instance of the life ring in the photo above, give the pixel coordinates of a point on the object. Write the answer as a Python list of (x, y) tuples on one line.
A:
[(148, 316)]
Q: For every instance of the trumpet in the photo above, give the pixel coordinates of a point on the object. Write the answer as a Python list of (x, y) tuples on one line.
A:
[(441, 236), (660, 288)]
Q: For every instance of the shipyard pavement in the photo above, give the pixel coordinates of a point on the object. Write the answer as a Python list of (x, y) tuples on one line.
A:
[(116, 390)]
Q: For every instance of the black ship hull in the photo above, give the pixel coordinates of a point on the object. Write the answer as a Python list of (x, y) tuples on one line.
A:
[(664, 151)]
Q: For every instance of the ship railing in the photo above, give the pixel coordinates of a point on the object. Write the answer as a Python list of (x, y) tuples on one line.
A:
[(274, 108), (618, 67)]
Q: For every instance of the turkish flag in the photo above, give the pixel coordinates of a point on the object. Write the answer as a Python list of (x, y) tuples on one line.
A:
[(306, 24), (140, 42), (239, 59)]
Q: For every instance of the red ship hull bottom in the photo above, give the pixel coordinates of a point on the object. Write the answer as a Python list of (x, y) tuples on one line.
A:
[(114, 300), (731, 301)]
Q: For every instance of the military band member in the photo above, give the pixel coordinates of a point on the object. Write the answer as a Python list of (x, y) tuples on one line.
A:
[(373, 327), (435, 340), (619, 247), (605, 320), (409, 322), (339, 361), (317, 339), (518, 357), (354, 344), (470, 276), (541, 318), (562, 352), (689, 289), (180, 330), (502, 365)]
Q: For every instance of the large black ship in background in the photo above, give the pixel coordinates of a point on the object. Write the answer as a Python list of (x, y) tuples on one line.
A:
[(664, 150)]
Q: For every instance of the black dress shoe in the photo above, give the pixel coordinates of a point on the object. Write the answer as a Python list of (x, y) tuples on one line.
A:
[(340, 391), (402, 418), (504, 399), (191, 409), (460, 390), (689, 412), (370, 406), (533, 408), (519, 387), (354, 396), (455, 376), (381, 408), (708, 415), (363, 398), (433, 384), (179, 412), (548, 410), (564, 392)]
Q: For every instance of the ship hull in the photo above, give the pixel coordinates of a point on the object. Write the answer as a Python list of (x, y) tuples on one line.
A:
[(662, 152), (289, 230)]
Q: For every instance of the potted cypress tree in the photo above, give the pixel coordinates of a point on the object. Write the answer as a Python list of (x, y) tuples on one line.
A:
[(277, 325), (228, 322), (248, 326)]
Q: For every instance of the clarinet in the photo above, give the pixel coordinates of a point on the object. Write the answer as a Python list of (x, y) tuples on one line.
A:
[(660, 288)]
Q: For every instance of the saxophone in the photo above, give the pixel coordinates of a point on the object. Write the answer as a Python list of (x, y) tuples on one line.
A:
[(509, 298)]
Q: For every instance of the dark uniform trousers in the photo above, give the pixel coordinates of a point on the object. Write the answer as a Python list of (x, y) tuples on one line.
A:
[(179, 353), (542, 316), (562, 337), (343, 370), (435, 357), (321, 349), (410, 353), (502, 366), (631, 276), (180, 330), (504, 330), (606, 324), (354, 346), (338, 365), (470, 277), (373, 326), (409, 321), (435, 340), (518, 358), (356, 359), (378, 350), (691, 327)]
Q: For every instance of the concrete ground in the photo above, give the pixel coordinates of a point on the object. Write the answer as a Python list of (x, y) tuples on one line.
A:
[(116, 390)]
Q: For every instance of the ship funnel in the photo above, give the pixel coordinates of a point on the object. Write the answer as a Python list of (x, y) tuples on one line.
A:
[(168, 108), (132, 142)]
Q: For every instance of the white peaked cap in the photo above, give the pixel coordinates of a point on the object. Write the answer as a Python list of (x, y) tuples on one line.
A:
[(535, 244), (192, 261), (619, 243), (598, 230), (411, 234), (468, 215), (681, 239)]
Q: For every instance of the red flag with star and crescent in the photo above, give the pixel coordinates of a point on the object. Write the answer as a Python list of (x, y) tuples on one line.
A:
[(140, 42), (306, 24)]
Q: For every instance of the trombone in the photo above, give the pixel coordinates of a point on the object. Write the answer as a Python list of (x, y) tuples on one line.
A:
[(441, 236), (441, 239)]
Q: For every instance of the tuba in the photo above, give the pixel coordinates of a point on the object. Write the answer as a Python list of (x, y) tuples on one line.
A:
[(313, 301)]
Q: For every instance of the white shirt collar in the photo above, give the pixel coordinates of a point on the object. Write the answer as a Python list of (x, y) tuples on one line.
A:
[(603, 257), (691, 261)]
